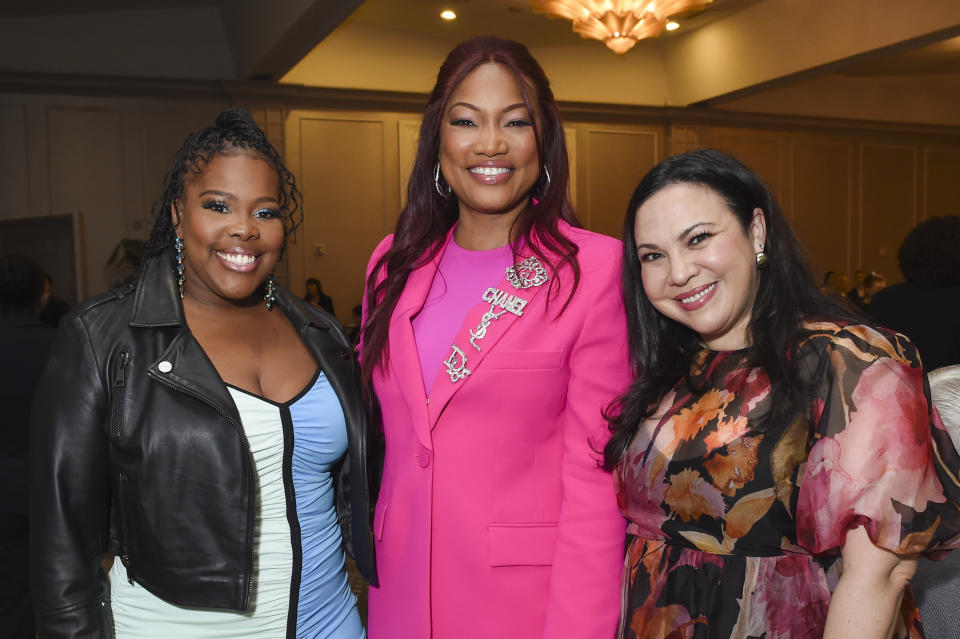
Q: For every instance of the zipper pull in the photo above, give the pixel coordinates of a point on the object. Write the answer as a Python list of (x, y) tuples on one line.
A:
[(121, 370)]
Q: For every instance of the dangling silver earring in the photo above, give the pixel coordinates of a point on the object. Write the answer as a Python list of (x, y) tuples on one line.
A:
[(269, 297), (178, 245), (761, 259), (436, 182)]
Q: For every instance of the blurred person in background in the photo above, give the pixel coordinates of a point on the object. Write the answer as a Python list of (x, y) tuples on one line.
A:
[(926, 307), (317, 297), (52, 308), (24, 345), (857, 293)]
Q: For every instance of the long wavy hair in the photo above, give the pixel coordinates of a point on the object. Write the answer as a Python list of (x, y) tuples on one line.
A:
[(662, 350), (234, 131), (428, 216)]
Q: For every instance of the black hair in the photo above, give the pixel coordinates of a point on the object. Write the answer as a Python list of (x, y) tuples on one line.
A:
[(929, 255), (21, 285), (662, 350), (872, 279), (234, 131), (313, 280)]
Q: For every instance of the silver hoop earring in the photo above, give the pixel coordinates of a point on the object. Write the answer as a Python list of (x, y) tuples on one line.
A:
[(436, 182), (178, 246), (546, 186)]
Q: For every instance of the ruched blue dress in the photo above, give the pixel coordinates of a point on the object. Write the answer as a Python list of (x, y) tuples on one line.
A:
[(301, 588)]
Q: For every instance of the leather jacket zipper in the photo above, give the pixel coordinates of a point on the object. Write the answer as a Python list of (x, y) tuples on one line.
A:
[(124, 555), (250, 489), (119, 389)]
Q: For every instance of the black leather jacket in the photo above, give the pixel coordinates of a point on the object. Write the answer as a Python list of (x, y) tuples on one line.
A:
[(150, 462)]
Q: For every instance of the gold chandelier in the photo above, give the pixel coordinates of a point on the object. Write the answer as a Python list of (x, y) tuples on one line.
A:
[(618, 23)]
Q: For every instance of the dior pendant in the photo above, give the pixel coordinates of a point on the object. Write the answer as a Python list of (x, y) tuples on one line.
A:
[(456, 364), (528, 273)]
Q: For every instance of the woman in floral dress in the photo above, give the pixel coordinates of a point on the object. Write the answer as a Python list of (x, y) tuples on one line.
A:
[(778, 460)]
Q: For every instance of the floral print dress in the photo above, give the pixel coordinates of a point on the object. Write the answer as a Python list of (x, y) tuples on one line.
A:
[(738, 532)]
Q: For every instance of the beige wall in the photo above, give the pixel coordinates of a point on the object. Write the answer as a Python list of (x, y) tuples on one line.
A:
[(102, 157), (851, 189), (850, 195)]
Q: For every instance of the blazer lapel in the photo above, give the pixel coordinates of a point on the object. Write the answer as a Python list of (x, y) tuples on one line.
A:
[(404, 357), (502, 306)]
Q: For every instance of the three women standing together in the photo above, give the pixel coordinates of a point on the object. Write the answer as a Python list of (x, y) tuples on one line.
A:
[(495, 341)]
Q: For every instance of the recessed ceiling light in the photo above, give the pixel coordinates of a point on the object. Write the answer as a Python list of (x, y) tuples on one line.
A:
[(673, 26), (447, 14)]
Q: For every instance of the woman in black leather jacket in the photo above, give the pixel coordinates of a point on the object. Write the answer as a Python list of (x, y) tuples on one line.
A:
[(192, 424)]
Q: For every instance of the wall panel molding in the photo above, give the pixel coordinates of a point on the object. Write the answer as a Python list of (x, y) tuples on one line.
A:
[(298, 96), (14, 162), (887, 203), (613, 160)]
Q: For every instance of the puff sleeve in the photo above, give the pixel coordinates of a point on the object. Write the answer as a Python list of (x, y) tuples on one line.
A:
[(880, 456)]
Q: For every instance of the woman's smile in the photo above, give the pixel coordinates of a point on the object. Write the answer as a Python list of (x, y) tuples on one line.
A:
[(241, 261), (696, 298)]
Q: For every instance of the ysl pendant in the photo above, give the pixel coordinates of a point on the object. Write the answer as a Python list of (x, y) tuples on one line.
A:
[(456, 364), (481, 331), (530, 272)]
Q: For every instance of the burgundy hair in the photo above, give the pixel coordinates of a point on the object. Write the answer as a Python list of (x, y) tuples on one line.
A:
[(427, 217)]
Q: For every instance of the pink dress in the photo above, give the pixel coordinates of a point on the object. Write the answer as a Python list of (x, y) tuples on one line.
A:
[(738, 532)]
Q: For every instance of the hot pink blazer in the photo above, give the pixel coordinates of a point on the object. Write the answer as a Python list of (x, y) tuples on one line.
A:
[(494, 517)]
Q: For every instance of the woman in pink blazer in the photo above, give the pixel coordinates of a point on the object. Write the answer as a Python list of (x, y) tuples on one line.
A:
[(494, 336)]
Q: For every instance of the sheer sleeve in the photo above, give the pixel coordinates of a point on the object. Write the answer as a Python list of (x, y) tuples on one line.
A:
[(880, 456)]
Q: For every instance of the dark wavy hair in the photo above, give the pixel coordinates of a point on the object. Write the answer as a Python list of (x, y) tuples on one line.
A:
[(428, 216), (662, 350), (233, 132), (929, 255)]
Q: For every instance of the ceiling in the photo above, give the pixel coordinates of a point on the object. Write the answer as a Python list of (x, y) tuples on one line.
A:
[(941, 57), (512, 19), (734, 54), (26, 8)]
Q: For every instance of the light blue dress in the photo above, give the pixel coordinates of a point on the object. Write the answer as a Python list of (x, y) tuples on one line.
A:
[(300, 584)]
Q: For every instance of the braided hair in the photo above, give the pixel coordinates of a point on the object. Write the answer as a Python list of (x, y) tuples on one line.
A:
[(234, 131)]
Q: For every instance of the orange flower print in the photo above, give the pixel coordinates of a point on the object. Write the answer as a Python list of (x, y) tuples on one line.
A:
[(690, 421), (727, 431), (731, 471), (691, 497)]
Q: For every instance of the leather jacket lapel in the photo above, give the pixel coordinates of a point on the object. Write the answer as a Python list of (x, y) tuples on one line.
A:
[(185, 367)]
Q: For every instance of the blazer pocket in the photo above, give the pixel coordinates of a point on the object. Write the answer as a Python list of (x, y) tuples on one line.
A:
[(524, 360), (522, 544), (379, 516)]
